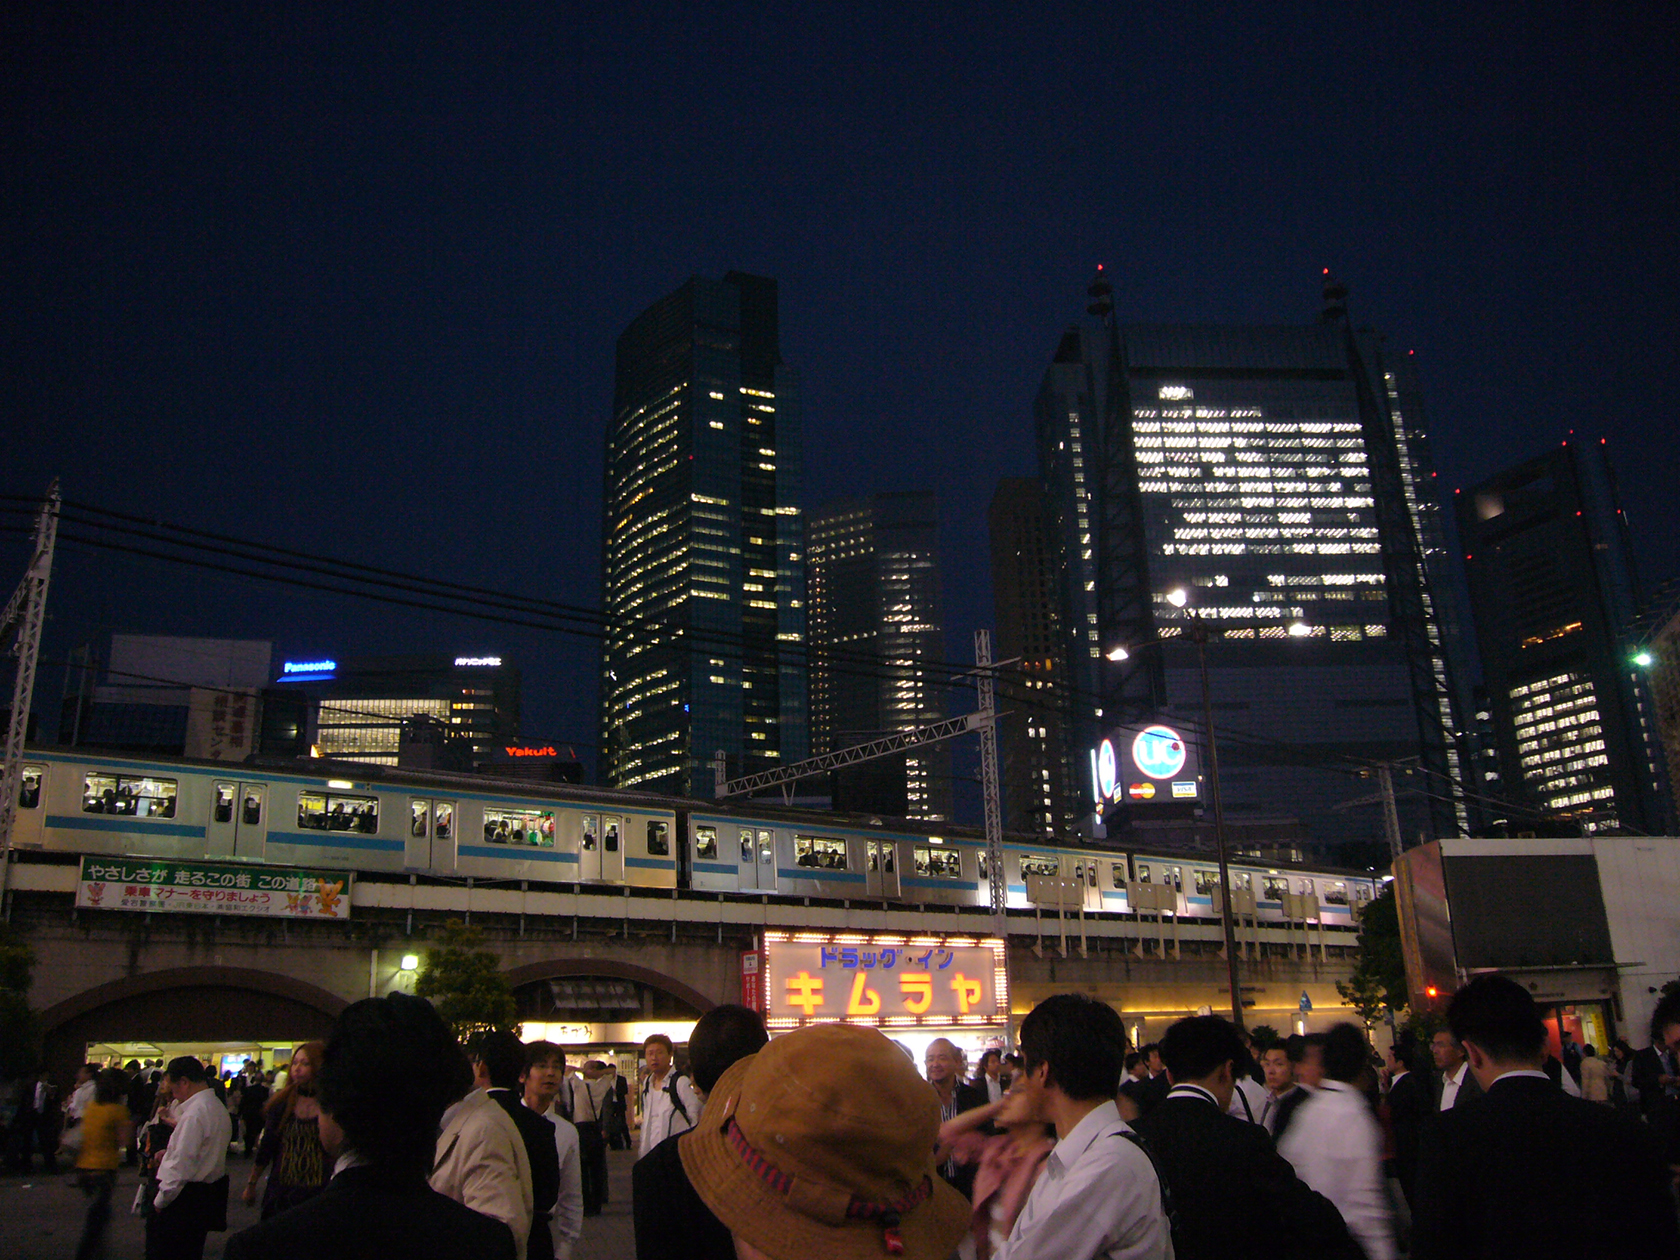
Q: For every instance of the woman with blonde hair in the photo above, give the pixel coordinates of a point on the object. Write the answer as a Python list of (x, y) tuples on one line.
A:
[(291, 1139)]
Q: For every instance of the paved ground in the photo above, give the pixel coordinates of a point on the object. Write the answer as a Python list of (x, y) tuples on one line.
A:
[(41, 1217)]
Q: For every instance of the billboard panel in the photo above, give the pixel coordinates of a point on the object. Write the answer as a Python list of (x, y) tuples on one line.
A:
[(1146, 765)]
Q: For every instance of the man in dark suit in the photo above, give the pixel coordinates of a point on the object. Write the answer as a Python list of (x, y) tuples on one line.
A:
[(1656, 1075), (387, 1075), (1527, 1170), (499, 1060), (944, 1073), (1234, 1194), (670, 1218), (1410, 1102)]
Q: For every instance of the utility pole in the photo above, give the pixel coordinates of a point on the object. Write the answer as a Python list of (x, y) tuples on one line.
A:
[(26, 610), (996, 880)]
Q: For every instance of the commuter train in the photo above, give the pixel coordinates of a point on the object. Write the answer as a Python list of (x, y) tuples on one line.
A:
[(379, 819)]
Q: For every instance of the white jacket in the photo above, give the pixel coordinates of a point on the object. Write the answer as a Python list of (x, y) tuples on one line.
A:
[(481, 1162)]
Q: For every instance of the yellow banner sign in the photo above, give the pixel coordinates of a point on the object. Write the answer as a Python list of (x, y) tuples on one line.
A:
[(885, 981)]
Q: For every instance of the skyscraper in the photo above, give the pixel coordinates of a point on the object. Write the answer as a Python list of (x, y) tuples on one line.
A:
[(1277, 475), (703, 568), (1552, 591), (1038, 789), (875, 633)]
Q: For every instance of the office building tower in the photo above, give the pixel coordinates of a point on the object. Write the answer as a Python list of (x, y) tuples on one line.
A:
[(171, 696), (1552, 592), (1659, 656), (1036, 773), (703, 567), (374, 709), (877, 645), (1279, 476)]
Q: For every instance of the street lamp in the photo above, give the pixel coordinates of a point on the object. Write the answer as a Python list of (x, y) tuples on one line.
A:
[(1179, 598)]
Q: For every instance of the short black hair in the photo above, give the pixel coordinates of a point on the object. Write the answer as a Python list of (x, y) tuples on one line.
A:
[(390, 1070), (1346, 1053), (721, 1037), (503, 1057), (1194, 1048), (1081, 1039), (187, 1068), (541, 1052), (1667, 1013), (1149, 1047), (1500, 1016), (110, 1086), (1133, 1058), (1295, 1046)]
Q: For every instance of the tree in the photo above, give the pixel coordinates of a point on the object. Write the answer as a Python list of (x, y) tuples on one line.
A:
[(465, 983), (19, 1035), (1378, 984), (1264, 1035)]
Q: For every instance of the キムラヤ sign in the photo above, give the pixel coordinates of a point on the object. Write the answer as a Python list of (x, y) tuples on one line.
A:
[(212, 888), (885, 981)]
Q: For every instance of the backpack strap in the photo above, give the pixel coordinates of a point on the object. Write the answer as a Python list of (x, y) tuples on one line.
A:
[(676, 1099), (1168, 1207)]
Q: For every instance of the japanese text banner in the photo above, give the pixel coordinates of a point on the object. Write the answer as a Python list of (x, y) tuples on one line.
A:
[(883, 980), (211, 888)]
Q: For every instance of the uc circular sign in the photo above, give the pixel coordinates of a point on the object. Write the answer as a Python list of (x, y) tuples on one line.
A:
[(1108, 780), (1158, 752)]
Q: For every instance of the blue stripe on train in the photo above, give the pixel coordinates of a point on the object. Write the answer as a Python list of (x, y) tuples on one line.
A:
[(137, 826)]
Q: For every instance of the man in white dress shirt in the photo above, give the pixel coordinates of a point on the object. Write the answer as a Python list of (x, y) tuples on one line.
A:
[(1097, 1197), (1336, 1145), (669, 1103), (545, 1068), (192, 1191)]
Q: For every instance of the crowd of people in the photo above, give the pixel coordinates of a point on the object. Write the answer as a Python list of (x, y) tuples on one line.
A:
[(392, 1138)]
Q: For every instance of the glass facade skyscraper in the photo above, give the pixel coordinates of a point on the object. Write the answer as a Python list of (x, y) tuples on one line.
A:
[(875, 632), (1279, 475), (703, 566), (1552, 589)]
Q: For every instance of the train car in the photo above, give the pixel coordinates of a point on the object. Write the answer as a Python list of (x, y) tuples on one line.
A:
[(441, 824)]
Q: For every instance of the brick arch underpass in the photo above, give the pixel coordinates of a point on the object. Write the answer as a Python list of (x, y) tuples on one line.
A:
[(186, 1004)]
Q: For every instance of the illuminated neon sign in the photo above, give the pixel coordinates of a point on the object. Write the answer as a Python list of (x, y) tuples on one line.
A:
[(1158, 752), (531, 752), (477, 660), (308, 667)]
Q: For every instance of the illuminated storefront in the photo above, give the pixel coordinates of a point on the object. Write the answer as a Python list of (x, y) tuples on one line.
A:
[(913, 988)]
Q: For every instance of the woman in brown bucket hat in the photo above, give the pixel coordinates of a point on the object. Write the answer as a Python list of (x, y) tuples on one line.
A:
[(821, 1145)]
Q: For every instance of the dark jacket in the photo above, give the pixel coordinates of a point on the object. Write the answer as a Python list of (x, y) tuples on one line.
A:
[(1526, 1170), (967, 1098), (538, 1134), (1409, 1105), (365, 1214), (1468, 1088), (1286, 1111), (1235, 1196), (670, 1218), (1147, 1093)]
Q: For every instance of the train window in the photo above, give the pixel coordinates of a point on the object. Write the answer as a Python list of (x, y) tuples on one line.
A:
[(1143, 873), (1304, 887), (980, 864), (658, 839), (223, 812), (1040, 866), (767, 847), (609, 836), (1362, 893), (419, 819), (819, 852), (29, 790), (1079, 874), (1093, 873), (1119, 872), (747, 852), (872, 855), (705, 843), (1274, 888), (321, 811), (531, 827), (939, 863), (889, 857), (591, 832), (251, 810), (1335, 893), (1206, 882), (130, 797), (1174, 875), (445, 818), (1245, 881)]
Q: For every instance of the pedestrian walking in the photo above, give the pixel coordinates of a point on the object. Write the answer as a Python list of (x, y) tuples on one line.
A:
[(290, 1148), (106, 1130), (192, 1184)]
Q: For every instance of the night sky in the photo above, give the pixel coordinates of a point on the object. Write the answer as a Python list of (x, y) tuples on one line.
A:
[(349, 282)]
